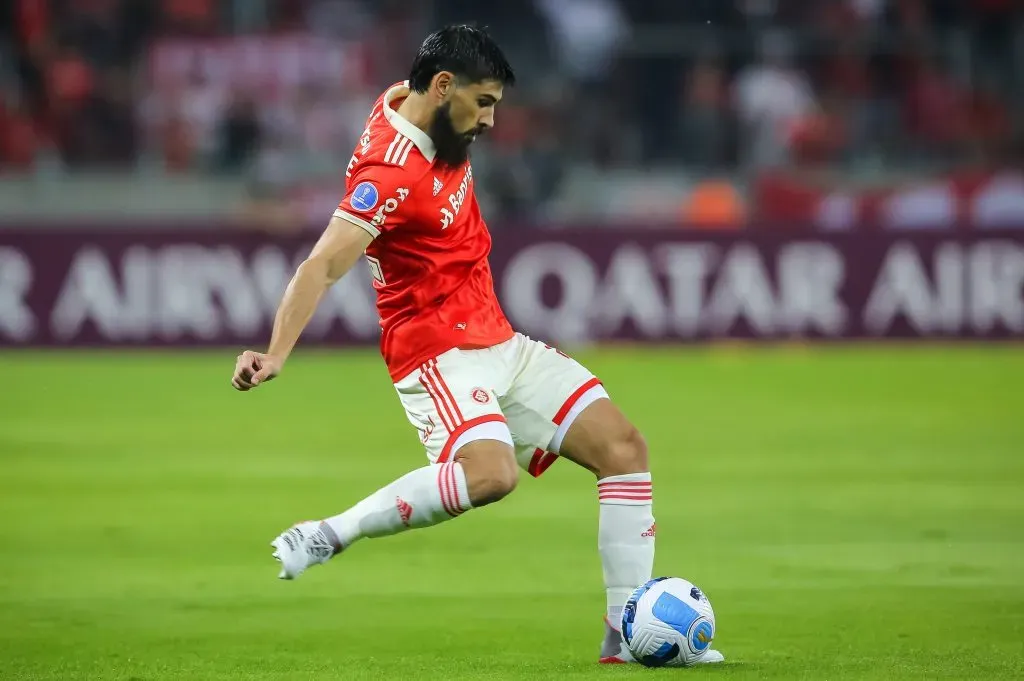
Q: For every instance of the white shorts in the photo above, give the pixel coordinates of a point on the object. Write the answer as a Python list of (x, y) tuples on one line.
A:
[(522, 392)]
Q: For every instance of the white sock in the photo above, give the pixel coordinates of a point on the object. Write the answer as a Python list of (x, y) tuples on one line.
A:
[(625, 537), (424, 497)]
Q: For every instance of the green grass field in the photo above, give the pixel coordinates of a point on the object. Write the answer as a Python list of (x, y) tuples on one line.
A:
[(852, 513)]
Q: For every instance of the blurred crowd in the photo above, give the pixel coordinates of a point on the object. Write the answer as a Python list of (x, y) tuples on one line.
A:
[(276, 91)]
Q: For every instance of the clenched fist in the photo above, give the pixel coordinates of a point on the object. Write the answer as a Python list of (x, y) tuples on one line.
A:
[(254, 368)]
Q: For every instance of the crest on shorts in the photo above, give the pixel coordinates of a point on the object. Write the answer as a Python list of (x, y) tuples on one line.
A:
[(480, 395)]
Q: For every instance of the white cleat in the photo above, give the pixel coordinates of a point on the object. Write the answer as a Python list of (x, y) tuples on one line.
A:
[(300, 547), (614, 650)]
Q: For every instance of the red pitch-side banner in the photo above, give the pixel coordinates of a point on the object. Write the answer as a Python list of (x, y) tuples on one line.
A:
[(970, 200), (216, 287)]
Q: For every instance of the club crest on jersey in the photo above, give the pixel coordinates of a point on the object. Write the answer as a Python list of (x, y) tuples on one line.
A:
[(364, 197), (480, 395), (457, 199)]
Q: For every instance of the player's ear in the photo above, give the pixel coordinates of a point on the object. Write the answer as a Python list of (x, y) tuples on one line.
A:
[(443, 85)]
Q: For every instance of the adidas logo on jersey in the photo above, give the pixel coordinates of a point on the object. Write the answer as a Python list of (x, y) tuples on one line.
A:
[(404, 510), (650, 531), (438, 186)]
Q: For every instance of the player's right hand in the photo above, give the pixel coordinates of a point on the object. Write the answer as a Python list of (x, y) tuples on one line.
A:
[(253, 368)]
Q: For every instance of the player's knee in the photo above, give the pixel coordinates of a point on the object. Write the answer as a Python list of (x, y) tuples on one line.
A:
[(626, 453), (495, 485), (490, 476)]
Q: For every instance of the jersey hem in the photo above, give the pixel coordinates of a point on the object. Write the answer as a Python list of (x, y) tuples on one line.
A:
[(406, 369)]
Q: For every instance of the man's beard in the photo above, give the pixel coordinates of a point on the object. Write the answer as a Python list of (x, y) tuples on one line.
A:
[(452, 146)]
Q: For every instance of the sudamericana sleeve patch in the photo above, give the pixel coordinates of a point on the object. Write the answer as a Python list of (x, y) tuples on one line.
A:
[(364, 197)]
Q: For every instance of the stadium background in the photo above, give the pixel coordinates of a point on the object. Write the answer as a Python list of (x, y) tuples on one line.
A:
[(698, 198)]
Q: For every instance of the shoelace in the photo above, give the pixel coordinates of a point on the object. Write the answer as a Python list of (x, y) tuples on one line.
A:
[(319, 547)]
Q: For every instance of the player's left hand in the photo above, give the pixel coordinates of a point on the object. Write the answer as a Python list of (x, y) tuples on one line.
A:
[(253, 368)]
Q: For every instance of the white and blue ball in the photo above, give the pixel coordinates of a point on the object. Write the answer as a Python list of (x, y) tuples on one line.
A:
[(668, 622)]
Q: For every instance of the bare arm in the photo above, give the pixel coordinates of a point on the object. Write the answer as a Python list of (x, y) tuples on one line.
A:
[(333, 255)]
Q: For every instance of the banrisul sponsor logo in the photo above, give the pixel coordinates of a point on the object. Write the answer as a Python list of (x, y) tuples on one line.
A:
[(456, 200)]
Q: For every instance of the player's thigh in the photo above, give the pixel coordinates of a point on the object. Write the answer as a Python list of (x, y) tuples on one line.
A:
[(550, 392), (451, 401), (604, 441)]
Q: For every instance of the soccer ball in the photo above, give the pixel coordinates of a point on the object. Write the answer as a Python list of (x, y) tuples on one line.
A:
[(668, 622)]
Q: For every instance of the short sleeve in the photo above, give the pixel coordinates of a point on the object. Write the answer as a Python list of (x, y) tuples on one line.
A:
[(374, 199)]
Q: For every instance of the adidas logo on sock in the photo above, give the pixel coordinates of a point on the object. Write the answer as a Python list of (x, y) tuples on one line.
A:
[(404, 510), (650, 531)]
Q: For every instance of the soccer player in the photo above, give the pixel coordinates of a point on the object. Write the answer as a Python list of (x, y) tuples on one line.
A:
[(485, 399)]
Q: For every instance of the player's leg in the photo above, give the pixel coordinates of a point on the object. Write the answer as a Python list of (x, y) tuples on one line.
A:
[(483, 471), (559, 407), (604, 441), (472, 464), (600, 438)]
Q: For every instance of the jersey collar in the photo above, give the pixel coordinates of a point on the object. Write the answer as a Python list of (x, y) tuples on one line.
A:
[(401, 124)]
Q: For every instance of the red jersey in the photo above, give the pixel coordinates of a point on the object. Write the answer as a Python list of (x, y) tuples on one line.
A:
[(429, 253)]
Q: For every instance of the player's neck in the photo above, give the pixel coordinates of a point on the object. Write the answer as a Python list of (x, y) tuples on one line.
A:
[(417, 109)]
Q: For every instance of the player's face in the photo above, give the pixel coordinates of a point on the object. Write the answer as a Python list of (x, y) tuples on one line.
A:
[(465, 114)]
